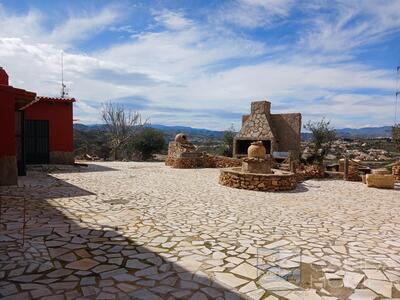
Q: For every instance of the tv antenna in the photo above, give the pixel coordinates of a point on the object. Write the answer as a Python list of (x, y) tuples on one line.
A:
[(64, 91), (397, 94)]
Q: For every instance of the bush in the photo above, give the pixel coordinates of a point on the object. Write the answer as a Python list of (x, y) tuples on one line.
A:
[(94, 143), (147, 142)]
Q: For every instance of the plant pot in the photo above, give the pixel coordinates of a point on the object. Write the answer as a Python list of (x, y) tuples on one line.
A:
[(256, 150)]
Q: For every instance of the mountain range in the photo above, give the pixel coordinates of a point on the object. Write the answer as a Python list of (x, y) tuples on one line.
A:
[(198, 133)]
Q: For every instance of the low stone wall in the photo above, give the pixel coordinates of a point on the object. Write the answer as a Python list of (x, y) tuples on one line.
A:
[(204, 161), (183, 162), (185, 156), (353, 173), (279, 181), (396, 172), (222, 162), (354, 162), (309, 172), (175, 149)]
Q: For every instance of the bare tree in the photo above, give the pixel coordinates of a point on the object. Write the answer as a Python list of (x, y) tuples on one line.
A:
[(122, 125)]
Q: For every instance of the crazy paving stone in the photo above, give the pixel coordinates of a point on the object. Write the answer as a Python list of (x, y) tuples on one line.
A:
[(82, 264)]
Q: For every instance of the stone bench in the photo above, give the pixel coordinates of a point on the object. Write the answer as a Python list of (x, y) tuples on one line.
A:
[(380, 181)]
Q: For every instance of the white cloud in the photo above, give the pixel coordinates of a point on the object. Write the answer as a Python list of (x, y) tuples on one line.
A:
[(181, 53), (79, 27), (277, 81), (87, 114), (351, 24), (273, 7), (253, 13), (26, 26), (197, 70), (341, 108), (30, 27), (172, 20)]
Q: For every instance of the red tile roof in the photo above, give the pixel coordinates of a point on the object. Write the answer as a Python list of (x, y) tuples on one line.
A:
[(55, 99), (49, 99)]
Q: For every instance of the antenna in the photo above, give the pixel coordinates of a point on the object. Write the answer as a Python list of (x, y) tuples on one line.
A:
[(397, 95), (64, 92)]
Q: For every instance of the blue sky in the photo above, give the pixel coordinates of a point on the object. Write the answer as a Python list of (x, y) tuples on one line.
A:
[(200, 63)]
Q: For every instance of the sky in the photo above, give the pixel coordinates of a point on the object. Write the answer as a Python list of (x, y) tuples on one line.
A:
[(200, 63)]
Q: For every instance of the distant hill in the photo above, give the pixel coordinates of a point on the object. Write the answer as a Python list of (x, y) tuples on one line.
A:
[(205, 134), (366, 132), (83, 127), (354, 133), (195, 134)]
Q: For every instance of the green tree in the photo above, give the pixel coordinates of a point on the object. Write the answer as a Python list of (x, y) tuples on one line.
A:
[(147, 142), (322, 137), (227, 146), (396, 136)]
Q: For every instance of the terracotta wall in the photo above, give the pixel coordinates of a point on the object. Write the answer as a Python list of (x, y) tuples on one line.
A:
[(7, 123), (60, 123), (3, 77), (8, 160)]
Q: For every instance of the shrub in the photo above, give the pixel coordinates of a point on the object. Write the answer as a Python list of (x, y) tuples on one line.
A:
[(147, 142)]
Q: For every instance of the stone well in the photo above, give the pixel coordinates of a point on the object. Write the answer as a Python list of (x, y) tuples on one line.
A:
[(256, 173), (277, 181)]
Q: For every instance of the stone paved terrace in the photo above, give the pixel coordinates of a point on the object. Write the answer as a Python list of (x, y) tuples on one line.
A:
[(146, 231)]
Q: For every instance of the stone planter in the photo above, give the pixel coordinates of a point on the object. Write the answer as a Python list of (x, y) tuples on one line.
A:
[(380, 181), (278, 181)]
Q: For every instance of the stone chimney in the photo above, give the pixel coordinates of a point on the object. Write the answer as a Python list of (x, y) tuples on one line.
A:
[(3, 77), (261, 107), (257, 125)]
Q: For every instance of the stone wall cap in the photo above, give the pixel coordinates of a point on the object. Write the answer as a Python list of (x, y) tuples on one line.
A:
[(277, 173)]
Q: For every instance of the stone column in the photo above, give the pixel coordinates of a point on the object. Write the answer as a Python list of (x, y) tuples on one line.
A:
[(346, 168)]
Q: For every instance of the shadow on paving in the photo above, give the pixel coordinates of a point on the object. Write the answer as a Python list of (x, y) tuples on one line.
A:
[(42, 186), (77, 168), (68, 255)]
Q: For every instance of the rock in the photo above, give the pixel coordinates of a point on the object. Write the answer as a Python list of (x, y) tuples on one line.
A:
[(82, 264), (229, 279)]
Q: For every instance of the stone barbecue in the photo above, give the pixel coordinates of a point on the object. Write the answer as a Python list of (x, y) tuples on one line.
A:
[(278, 132)]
